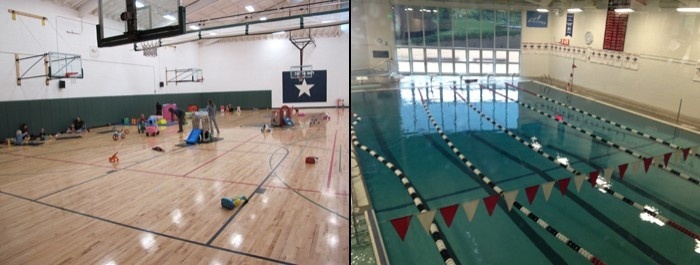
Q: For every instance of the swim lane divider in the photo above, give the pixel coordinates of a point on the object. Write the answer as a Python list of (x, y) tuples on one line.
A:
[(434, 231), (643, 134), (592, 179), (570, 243), (646, 160)]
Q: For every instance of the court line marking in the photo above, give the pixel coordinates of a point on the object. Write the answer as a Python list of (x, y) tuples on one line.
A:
[(249, 197), (146, 230), (330, 169), (219, 156)]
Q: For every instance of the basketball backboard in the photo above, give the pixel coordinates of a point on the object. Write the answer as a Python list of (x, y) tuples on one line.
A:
[(128, 21), (301, 72)]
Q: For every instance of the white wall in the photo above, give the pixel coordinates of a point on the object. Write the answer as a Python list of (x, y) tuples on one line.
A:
[(107, 72), (531, 65), (669, 47), (258, 65), (233, 66), (372, 20)]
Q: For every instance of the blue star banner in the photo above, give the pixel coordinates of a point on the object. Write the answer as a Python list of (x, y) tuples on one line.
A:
[(311, 89), (569, 25)]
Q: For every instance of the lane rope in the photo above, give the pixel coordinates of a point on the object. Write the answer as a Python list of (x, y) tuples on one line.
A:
[(587, 178), (434, 231), (601, 139), (643, 134), (570, 243)]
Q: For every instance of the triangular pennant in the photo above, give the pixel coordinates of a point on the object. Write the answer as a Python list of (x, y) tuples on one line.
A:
[(635, 167), (531, 192), (401, 225), (470, 208), (578, 180), (448, 213), (510, 198), (490, 202), (658, 159), (677, 155), (592, 177), (608, 174), (647, 162), (547, 189), (563, 183), (667, 156), (685, 153), (426, 218), (622, 168)]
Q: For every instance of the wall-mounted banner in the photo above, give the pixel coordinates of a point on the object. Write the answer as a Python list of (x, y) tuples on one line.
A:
[(569, 25), (536, 19)]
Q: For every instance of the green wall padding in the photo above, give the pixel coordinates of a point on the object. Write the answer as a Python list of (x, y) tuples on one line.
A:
[(55, 115)]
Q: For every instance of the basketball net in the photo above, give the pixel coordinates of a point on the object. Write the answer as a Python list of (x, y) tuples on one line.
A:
[(73, 76), (150, 48)]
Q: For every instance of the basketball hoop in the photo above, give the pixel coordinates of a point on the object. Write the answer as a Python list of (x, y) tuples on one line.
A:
[(150, 48), (73, 76)]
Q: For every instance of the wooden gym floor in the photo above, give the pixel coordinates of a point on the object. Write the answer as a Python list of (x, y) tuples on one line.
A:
[(63, 202)]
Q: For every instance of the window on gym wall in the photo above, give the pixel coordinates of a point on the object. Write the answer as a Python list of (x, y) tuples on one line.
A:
[(456, 41)]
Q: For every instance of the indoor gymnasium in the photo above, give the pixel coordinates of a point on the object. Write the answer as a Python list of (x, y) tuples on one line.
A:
[(525, 132), (174, 132)]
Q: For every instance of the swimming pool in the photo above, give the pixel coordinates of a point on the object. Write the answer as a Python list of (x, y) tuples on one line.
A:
[(395, 125)]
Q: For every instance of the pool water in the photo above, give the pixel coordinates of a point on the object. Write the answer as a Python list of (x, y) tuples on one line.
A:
[(395, 125)]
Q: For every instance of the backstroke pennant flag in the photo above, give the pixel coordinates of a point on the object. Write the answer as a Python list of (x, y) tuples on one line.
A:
[(563, 183), (426, 218), (470, 208), (667, 156), (448, 213), (647, 162), (311, 89), (578, 180), (531, 192), (622, 168), (401, 225), (592, 177), (510, 198), (547, 189), (490, 202)]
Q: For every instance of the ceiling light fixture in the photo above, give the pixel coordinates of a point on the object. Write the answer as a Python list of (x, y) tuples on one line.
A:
[(194, 27), (624, 10), (574, 10), (139, 4), (249, 8), (263, 18), (688, 9), (169, 17), (542, 10)]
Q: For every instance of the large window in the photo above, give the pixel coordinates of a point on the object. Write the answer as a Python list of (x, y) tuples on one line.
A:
[(457, 41)]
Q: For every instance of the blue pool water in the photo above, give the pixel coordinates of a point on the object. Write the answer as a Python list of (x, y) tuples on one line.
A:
[(395, 125)]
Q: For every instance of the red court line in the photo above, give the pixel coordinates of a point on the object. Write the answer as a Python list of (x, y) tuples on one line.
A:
[(219, 156), (330, 169)]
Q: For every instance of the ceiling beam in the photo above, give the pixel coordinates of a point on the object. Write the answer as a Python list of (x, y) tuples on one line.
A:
[(87, 8)]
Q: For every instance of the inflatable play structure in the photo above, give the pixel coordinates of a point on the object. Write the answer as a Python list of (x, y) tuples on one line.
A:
[(201, 128), (282, 117)]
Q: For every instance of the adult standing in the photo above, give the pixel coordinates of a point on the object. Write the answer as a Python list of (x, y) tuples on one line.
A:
[(211, 110), (159, 109), (180, 116)]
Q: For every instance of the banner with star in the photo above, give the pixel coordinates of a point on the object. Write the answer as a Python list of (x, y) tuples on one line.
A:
[(312, 89)]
